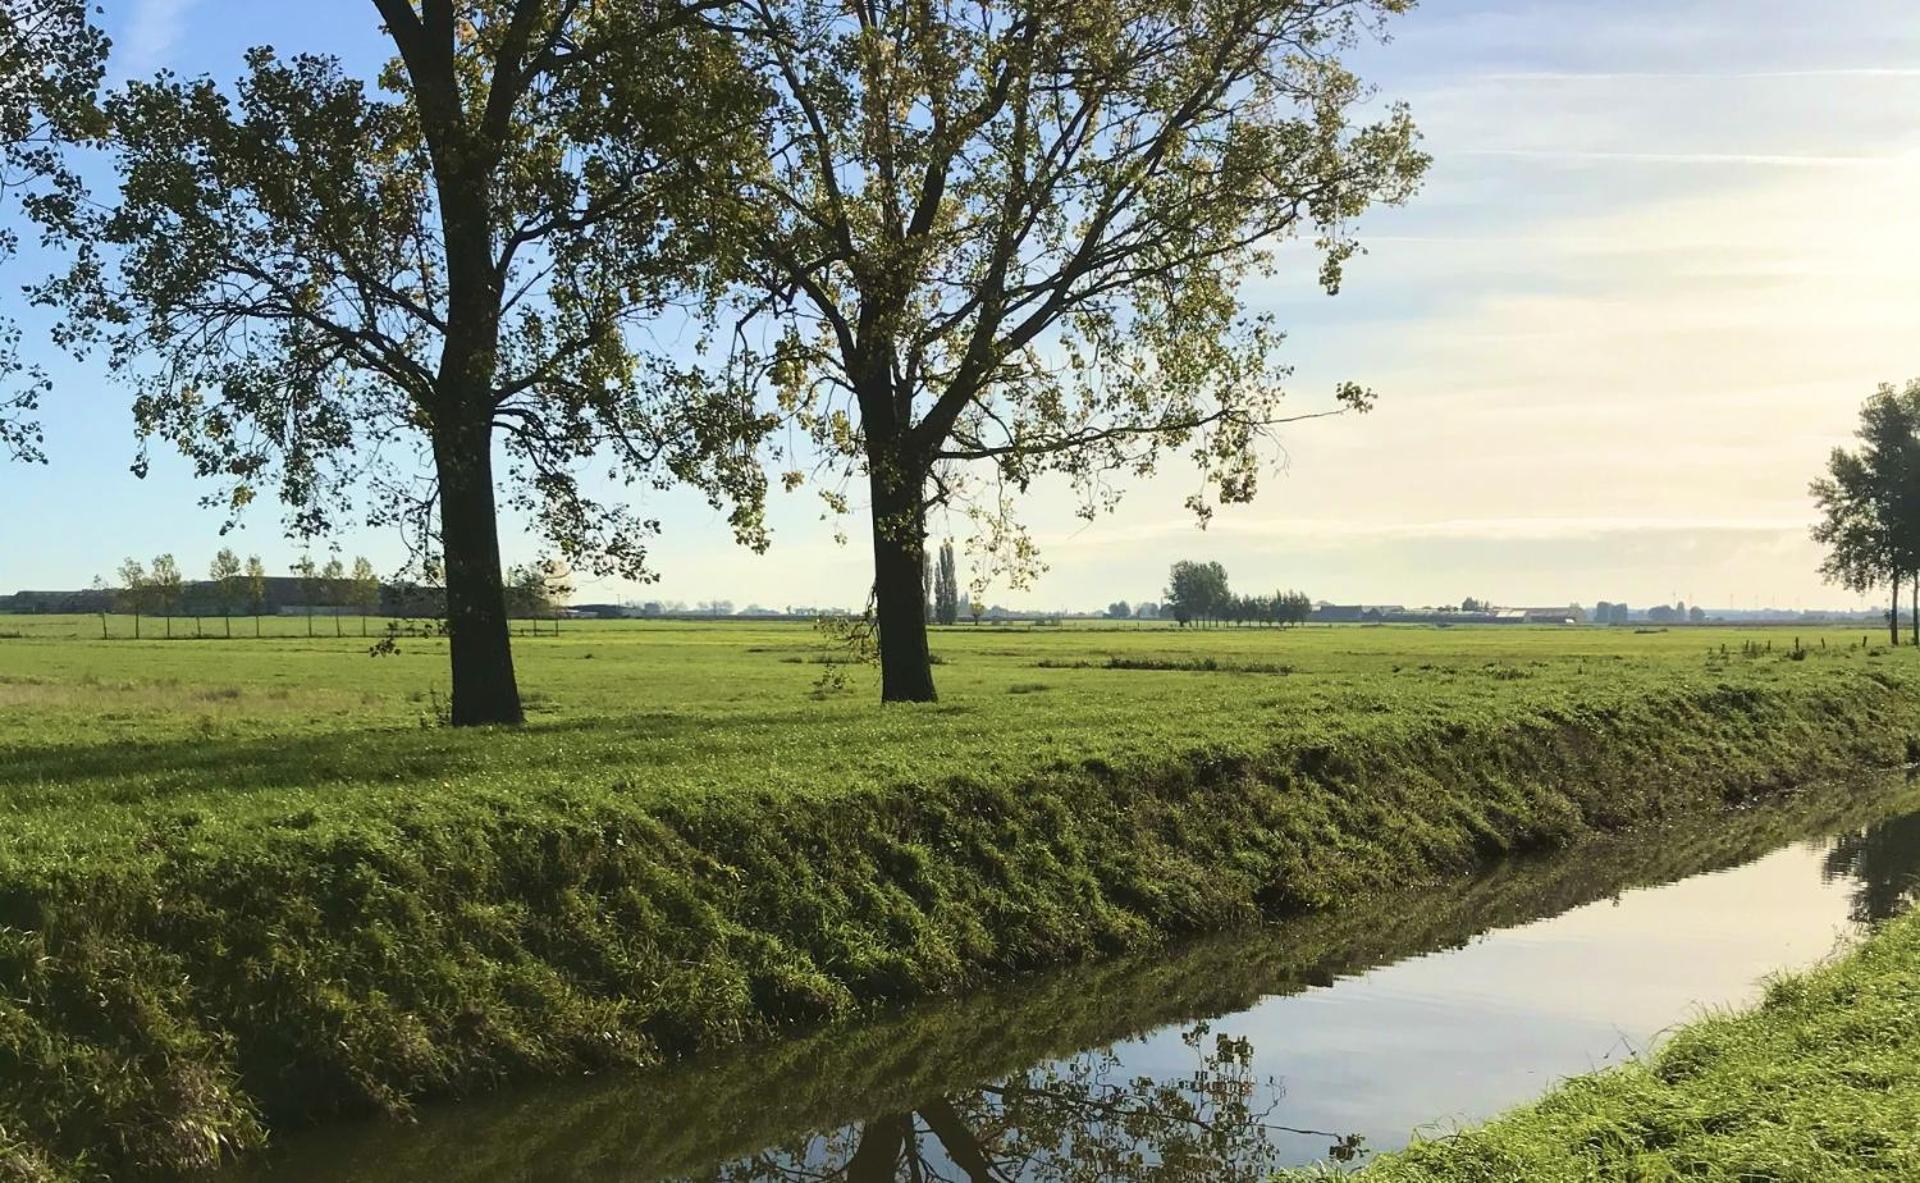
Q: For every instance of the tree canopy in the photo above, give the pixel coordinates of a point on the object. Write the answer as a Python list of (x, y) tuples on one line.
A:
[(353, 293), (51, 61), (1869, 500), (1007, 239)]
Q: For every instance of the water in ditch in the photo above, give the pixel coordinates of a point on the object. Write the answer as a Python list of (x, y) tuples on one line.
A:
[(1327, 1038)]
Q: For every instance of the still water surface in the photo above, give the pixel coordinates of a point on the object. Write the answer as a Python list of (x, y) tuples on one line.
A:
[(1331, 1037)]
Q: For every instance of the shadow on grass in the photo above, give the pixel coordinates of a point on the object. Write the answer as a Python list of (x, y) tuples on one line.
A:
[(373, 754)]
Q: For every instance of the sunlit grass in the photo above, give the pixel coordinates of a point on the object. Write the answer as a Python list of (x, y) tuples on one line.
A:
[(252, 880)]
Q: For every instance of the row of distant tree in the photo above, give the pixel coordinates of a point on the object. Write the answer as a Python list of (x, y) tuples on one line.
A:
[(236, 587), (1198, 593)]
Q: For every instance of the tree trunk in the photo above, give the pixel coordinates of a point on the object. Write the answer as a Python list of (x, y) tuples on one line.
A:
[(229, 623), (136, 626), (1893, 616), (877, 1157), (899, 559), (484, 690), (1913, 591)]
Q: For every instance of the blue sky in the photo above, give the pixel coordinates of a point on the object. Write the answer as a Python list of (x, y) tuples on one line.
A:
[(1665, 251)]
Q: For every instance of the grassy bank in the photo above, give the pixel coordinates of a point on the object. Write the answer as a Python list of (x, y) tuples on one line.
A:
[(244, 887), (1819, 1084), (771, 1102)]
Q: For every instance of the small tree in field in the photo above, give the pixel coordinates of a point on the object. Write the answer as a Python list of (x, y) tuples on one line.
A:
[(333, 583), (308, 574), (365, 589), (103, 595), (226, 576), (256, 589), (527, 592), (135, 593), (1869, 501), (558, 578), (1006, 238), (166, 582)]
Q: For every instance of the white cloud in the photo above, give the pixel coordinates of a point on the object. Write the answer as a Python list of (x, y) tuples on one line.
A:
[(151, 33)]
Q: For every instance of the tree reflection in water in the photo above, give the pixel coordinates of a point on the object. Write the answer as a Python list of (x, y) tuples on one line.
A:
[(1884, 862), (1074, 1121)]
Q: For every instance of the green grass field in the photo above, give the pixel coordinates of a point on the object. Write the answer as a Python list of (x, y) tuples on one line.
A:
[(125, 732), (252, 882)]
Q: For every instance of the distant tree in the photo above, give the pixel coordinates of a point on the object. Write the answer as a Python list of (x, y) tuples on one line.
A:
[(1146, 610), (1619, 614), (1119, 610), (136, 592), (976, 610), (364, 589), (1869, 502), (1471, 605), (1013, 236), (103, 596), (1662, 614), (558, 578), (226, 575), (947, 587), (527, 592), (256, 589), (1697, 614), (333, 589), (1197, 592), (167, 585), (308, 574), (1293, 607), (1602, 612), (51, 61)]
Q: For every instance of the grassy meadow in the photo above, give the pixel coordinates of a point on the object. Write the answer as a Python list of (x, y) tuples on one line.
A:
[(251, 883), (105, 736)]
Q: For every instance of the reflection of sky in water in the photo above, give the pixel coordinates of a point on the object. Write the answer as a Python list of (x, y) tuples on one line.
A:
[(1459, 1035)]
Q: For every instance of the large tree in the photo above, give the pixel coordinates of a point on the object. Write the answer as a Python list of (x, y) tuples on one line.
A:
[(1006, 238), (51, 59), (1869, 501), (334, 287)]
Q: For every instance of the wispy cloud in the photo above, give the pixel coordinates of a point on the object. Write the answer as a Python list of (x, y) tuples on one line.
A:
[(1697, 75), (1573, 156), (151, 33)]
